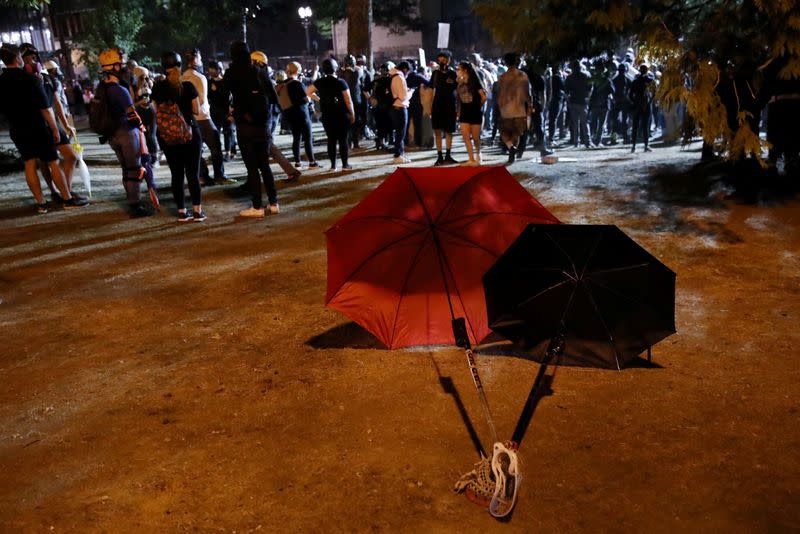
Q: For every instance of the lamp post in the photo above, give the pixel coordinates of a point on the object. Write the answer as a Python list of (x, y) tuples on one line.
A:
[(305, 20)]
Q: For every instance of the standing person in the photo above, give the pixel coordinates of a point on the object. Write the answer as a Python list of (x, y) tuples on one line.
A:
[(298, 116), (336, 105), (443, 110), (252, 92), (578, 88), (362, 111), (556, 102), (147, 112), (179, 135), (401, 96), (618, 119), (260, 62), (32, 126), (354, 78), (219, 100), (416, 81), (514, 102), (641, 94), (121, 128), (471, 97), (599, 106), (56, 99), (208, 130), (538, 102), (381, 100)]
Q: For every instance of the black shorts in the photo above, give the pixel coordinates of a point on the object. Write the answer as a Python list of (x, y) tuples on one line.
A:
[(36, 144), (443, 116), (471, 114), (62, 137)]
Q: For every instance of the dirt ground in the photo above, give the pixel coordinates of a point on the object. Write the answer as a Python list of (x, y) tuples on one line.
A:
[(159, 377)]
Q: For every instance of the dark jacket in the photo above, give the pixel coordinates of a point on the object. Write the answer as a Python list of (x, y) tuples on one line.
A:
[(253, 94), (578, 87)]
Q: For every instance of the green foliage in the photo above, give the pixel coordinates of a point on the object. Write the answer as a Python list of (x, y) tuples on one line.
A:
[(692, 41), (175, 25), (116, 23), (397, 14), (31, 4)]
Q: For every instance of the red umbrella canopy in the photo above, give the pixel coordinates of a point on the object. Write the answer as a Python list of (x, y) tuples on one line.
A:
[(410, 256)]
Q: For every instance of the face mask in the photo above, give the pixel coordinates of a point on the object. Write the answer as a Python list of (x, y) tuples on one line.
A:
[(443, 65)]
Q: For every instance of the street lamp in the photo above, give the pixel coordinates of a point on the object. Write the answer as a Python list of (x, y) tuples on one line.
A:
[(305, 20)]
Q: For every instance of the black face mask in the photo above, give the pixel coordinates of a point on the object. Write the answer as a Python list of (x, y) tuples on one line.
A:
[(443, 65)]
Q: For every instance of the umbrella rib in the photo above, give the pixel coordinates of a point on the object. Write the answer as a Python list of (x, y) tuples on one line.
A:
[(605, 326), (403, 288), (623, 295), (569, 258), (542, 292), (618, 269), (384, 217), (419, 197), (591, 255), (372, 256), (471, 242), (485, 213), (443, 259), (458, 190)]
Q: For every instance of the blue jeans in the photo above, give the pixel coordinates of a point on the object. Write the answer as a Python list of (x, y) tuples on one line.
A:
[(399, 125), (126, 144)]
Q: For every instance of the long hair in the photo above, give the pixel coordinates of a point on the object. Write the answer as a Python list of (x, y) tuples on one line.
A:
[(174, 79), (474, 82)]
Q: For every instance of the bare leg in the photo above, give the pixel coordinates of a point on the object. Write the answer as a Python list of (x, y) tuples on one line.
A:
[(46, 175), (437, 134), (58, 180), (32, 177), (465, 129), (476, 138), (70, 158), (449, 141)]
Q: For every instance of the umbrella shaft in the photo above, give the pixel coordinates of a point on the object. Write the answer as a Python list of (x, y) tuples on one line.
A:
[(481, 394)]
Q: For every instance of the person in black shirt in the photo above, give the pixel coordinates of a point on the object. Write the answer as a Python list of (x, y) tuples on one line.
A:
[(32, 126), (337, 110), (641, 94), (443, 111), (354, 78), (253, 93), (219, 98), (297, 115), (184, 158)]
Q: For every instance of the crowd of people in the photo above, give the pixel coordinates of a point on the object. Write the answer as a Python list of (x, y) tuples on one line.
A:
[(235, 110)]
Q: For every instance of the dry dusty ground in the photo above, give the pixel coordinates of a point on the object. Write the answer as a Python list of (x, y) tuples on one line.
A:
[(161, 378)]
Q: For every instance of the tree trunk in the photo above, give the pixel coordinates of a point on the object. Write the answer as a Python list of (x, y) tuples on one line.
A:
[(359, 28)]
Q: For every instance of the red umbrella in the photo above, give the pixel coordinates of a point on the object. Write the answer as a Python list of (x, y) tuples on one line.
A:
[(409, 258)]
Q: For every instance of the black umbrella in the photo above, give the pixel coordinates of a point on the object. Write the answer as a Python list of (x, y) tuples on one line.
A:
[(590, 287)]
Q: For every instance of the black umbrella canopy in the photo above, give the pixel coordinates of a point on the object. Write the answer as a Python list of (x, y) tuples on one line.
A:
[(607, 296)]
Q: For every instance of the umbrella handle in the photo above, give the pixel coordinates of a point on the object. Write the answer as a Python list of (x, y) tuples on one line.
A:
[(481, 393)]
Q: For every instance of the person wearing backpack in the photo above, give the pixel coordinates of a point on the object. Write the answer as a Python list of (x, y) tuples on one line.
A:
[(294, 98), (354, 78), (179, 135), (338, 114), (253, 93), (113, 117)]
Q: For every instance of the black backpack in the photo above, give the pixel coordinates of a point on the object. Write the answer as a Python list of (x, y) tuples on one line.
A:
[(383, 91), (100, 120)]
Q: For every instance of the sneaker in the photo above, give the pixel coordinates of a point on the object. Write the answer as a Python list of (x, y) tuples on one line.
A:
[(184, 216), (439, 162), (199, 216), (400, 160), (347, 167), (76, 195), (252, 212), (41, 208), (298, 164), (75, 203), (449, 160), (546, 152), (647, 149), (313, 165), (274, 209), (511, 152), (56, 199)]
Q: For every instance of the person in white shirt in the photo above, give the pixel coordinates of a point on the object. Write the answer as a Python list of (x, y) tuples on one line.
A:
[(194, 75), (402, 94)]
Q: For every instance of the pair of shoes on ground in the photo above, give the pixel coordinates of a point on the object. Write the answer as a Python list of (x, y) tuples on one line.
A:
[(446, 160), (273, 209), (137, 211), (76, 201), (195, 216)]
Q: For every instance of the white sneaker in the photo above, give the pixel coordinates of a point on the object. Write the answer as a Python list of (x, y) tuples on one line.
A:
[(399, 160), (252, 212), (274, 209)]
